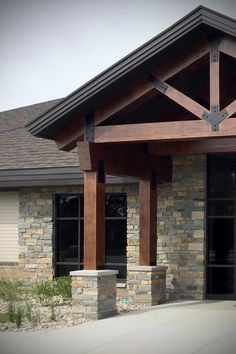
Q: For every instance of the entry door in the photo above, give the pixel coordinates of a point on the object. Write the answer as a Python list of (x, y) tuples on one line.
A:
[(221, 227)]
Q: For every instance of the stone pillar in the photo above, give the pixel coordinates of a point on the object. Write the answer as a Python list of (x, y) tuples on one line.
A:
[(94, 293), (147, 285)]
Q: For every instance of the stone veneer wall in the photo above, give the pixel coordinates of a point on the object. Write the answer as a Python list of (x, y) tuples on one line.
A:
[(181, 223), (36, 227), (181, 228)]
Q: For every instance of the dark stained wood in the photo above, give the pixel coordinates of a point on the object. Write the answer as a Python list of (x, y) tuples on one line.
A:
[(185, 101), (215, 82), (147, 223), (163, 131), (231, 108), (123, 161), (136, 93), (94, 221), (207, 146), (228, 46)]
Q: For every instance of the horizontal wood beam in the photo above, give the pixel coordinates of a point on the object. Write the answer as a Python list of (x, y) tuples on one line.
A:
[(194, 147), (163, 131), (134, 94), (228, 46), (123, 161)]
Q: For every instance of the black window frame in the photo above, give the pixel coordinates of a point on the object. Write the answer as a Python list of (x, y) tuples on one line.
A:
[(211, 216), (79, 264)]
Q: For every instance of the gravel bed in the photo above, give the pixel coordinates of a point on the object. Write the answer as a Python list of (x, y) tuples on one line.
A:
[(64, 317)]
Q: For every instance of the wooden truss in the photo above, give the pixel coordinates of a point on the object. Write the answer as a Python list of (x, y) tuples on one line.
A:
[(140, 149)]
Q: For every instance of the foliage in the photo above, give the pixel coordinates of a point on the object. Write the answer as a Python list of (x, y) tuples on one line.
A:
[(4, 318), (21, 300), (18, 316), (11, 291), (53, 291)]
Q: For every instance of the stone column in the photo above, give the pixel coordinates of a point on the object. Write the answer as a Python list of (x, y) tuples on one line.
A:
[(94, 293), (147, 284)]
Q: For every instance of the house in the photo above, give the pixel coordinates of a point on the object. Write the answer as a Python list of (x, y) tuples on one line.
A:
[(161, 121)]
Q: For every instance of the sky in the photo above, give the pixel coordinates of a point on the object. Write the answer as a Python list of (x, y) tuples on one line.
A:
[(49, 48)]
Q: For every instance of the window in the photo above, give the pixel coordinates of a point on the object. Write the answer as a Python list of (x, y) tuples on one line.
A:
[(68, 254)]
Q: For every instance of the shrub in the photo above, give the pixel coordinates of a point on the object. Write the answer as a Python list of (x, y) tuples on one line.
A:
[(54, 290)]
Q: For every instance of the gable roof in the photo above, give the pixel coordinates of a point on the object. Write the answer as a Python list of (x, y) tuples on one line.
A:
[(82, 100)]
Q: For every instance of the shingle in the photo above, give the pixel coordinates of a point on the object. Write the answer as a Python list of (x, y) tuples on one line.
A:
[(20, 149)]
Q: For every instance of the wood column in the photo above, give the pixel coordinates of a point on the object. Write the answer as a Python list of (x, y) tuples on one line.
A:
[(94, 220), (148, 222)]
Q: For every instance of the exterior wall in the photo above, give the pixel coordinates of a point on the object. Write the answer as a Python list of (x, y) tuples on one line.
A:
[(181, 223), (181, 228), (36, 226)]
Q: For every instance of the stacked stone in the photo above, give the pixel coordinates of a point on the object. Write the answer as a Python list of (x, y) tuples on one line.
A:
[(147, 285), (94, 294), (132, 227), (181, 228), (35, 234)]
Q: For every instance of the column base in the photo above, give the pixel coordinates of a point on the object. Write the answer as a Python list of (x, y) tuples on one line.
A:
[(94, 294), (147, 285)]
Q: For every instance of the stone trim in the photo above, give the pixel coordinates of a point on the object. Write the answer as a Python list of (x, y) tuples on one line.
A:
[(93, 273), (146, 268)]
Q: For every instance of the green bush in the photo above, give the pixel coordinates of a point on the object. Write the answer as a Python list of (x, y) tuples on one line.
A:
[(58, 287), (11, 291), (53, 292)]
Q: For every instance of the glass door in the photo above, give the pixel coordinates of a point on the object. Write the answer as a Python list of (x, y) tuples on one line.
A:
[(221, 226)]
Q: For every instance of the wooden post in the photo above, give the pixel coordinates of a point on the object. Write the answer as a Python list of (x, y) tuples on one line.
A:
[(148, 222), (94, 219)]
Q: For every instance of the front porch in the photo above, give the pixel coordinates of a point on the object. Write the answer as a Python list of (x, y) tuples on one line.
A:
[(146, 117)]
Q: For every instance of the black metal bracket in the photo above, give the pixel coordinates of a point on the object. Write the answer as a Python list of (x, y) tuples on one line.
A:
[(161, 86), (101, 171), (89, 131), (215, 117), (214, 51)]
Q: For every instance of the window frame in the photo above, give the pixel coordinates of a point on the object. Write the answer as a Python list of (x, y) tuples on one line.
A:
[(80, 218)]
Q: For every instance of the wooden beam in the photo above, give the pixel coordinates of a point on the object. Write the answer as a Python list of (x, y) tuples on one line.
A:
[(163, 131), (94, 221), (228, 46), (135, 93), (215, 74), (178, 97), (231, 108), (207, 146), (147, 223), (123, 161)]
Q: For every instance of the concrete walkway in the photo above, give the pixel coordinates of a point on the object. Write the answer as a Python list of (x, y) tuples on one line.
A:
[(183, 327)]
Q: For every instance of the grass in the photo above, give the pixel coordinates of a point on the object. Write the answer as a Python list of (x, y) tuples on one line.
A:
[(4, 318)]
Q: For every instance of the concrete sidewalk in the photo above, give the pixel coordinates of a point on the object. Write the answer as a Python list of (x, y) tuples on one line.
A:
[(182, 327)]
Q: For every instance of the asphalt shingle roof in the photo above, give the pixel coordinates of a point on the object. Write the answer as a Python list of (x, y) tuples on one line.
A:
[(19, 149)]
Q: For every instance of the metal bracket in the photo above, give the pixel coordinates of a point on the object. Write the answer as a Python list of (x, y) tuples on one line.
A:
[(89, 132), (215, 117), (214, 52), (161, 86)]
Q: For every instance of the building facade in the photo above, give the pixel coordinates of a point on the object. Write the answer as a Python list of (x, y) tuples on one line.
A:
[(166, 223)]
